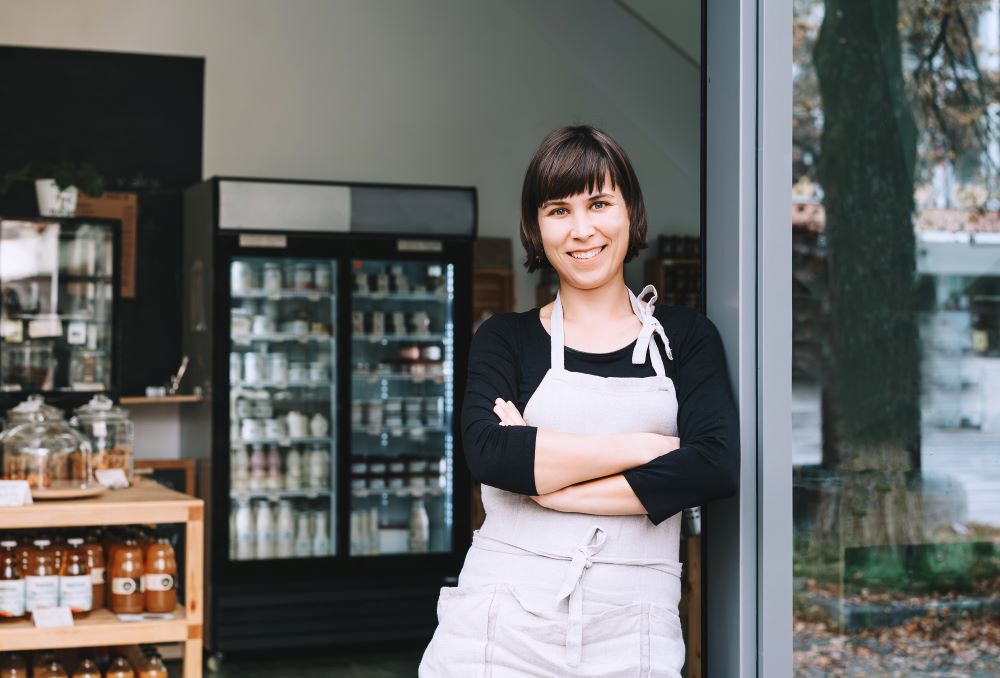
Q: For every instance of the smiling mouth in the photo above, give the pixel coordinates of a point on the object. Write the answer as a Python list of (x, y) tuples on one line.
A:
[(587, 255)]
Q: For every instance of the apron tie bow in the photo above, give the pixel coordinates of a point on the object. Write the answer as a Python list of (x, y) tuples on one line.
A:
[(650, 326), (582, 560)]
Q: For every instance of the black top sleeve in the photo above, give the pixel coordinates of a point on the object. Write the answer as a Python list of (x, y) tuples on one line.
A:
[(500, 456), (707, 464)]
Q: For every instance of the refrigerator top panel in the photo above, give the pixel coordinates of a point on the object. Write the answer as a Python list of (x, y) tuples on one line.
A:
[(371, 209)]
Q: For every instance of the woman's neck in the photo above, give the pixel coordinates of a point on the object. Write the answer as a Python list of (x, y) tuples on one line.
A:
[(607, 303)]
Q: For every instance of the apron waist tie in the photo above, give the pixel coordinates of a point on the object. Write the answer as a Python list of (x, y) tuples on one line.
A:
[(582, 558)]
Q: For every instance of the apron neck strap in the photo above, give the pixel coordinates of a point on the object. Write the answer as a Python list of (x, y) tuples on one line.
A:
[(558, 344)]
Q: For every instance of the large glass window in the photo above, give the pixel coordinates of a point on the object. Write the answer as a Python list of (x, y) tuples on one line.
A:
[(896, 360)]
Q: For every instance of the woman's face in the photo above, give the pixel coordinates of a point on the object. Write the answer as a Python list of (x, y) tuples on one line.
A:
[(585, 236)]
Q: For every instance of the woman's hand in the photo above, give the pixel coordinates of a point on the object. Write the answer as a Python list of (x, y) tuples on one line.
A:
[(509, 416)]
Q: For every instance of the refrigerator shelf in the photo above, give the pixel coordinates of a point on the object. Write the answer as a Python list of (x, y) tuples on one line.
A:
[(309, 295), (385, 338), (280, 338), (400, 492), (257, 386), (275, 495), (372, 378), (441, 297), (281, 442), (398, 432)]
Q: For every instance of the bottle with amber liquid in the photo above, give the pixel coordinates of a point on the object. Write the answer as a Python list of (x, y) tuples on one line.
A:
[(120, 668), (51, 668), (87, 668), (153, 668), (126, 575), (13, 666), (11, 583), (41, 581), (25, 549), (160, 581), (95, 561), (76, 588)]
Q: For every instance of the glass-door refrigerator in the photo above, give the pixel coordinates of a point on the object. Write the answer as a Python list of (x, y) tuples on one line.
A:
[(325, 323), (59, 278)]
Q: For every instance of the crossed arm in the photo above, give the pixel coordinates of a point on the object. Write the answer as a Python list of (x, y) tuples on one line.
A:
[(574, 473)]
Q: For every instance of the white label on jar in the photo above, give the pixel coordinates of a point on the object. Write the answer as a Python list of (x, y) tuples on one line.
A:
[(97, 575), (76, 592), (124, 586), (41, 592), (157, 582), (11, 598)]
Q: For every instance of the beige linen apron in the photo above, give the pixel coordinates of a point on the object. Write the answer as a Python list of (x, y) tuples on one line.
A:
[(547, 593)]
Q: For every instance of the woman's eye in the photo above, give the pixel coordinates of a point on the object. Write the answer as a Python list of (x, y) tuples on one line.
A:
[(600, 204), (558, 212)]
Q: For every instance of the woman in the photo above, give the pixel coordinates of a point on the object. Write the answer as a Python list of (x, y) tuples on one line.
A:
[(575, 571)]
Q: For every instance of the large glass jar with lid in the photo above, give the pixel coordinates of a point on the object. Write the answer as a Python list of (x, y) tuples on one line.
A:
[(49, 454), (110, 431), (34, 408)]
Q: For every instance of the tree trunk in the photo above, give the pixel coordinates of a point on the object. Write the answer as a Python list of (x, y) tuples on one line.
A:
[(866, 168)]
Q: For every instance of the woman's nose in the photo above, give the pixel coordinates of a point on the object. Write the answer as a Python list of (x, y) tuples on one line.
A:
[(581, 226)]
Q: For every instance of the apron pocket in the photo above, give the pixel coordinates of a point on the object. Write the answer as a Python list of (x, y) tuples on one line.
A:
[(613, 643), (666, 643), (530, 634), (463, 639)]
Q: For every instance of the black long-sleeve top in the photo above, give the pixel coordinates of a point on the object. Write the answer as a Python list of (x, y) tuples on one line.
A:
[(509, 356)]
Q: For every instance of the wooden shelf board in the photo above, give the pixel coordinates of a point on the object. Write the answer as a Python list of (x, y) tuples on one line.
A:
[(99, 628), (161, 400), (144, 502)]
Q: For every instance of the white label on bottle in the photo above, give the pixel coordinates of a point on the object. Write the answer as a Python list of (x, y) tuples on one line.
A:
[(76, 592), (76, 333), (11, 598), (97, 576), (124, 586), (41, 592), (157, 582)]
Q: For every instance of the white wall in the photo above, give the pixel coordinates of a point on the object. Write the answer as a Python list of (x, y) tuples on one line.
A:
[(435, 91)]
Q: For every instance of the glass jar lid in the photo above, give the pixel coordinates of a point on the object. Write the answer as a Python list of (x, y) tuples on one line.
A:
[(33, 409), (100, 408), (44, 438)]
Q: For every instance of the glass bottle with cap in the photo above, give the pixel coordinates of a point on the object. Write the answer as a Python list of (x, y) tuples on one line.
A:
[(76, 586), (11, 583), (111, 433)]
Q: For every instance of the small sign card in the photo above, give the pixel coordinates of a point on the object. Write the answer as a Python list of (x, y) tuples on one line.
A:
[(52, 617), (14, 493), (145, 616), (111, 478)]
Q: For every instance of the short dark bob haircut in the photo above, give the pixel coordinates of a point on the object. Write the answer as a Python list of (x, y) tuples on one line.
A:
[(569, 161)]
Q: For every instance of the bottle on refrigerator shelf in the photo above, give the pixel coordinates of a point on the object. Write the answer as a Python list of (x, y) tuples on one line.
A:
[(303, 535), (153, 668), (293, 469), (76, 586), (13, 666), (232, 533), (120, 668), (87, 669), (318, 467), (11, 584), (159, 583), (264, 523), (41, 581), (127, 568), (320, 535), (95, 561), (240, 468), (258, 468), (275, 481), (285, 529), (420, 527), (245, 527), (374, 545)]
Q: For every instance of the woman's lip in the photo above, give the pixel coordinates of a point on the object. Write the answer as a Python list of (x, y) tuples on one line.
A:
[(593, 258)]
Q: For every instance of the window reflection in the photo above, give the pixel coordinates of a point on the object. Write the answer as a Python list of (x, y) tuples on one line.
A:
[(896, 363)]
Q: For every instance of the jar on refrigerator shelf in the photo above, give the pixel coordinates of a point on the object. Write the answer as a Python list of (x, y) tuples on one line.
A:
[(278, 369), (240, 278), (245, 529), (235, 368), (285, 529), (319, 425), (303, 535), (320, 535), (264, 530), (272, 277), (382, 283), (254, 367), (298, 425), (298, 373), (318, 466), (258, 468), (420, 526), (303, 276), (321, 277)]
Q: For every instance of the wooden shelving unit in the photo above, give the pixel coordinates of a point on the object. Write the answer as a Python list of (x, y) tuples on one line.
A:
[(144, 503), (160, 400)]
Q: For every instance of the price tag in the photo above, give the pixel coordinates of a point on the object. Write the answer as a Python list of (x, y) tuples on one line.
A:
[(45, 327), (52, 617), (111, 478), (76, 333), (12, 331), (14, 493)]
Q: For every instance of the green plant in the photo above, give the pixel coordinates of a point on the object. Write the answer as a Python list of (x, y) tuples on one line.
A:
[(84, 176)]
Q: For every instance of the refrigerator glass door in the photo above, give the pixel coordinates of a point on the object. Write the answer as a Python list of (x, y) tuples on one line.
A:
[(282, 408), (58, 294), (402, 445)]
